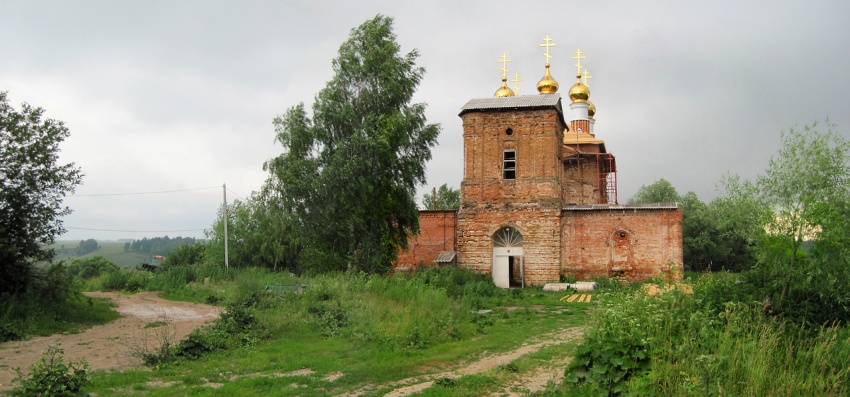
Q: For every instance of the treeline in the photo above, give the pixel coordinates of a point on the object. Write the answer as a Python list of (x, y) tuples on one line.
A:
[(158, 245), (785, 232), (86, 246)]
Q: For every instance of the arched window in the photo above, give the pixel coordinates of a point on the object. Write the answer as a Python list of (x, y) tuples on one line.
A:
[(507, 237)]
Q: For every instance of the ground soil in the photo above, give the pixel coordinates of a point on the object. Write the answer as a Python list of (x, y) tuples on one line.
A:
[(111, 346)]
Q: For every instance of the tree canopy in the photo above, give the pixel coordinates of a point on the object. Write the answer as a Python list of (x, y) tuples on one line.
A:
[(349, 172), (32, 186), (662, 191), (448, 198), (805, 193)]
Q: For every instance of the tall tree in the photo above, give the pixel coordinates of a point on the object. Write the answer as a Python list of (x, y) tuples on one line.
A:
[(810, 173), (349, 172), (32, 186), (447, 199), (806, 189)]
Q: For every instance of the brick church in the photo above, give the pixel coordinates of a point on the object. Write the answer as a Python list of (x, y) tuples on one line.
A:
[(539, 197)]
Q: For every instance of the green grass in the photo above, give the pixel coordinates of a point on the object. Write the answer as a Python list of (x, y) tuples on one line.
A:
[(373, 330), (257, 368)]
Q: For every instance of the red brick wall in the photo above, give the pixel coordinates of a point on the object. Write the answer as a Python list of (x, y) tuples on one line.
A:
[(436, 233), (540, 229), (650, 244), (536, 138), (531, 203), (634, 242)]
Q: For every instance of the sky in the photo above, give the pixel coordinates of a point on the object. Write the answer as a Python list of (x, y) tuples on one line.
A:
[(179, 96)]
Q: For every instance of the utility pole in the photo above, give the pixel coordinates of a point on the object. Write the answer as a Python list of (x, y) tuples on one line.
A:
[(434, 198), (224, 219)]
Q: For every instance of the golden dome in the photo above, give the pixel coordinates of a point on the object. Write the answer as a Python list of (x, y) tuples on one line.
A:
[(591, 109), (547, 85), (504, 91), (579, 92)]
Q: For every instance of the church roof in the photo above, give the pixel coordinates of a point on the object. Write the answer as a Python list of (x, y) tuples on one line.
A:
[(514, 103), (617, 207)]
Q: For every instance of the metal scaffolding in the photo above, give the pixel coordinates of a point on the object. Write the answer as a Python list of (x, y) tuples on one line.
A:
[(607, 170)]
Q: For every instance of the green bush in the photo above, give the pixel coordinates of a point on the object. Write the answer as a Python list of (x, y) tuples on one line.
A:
[(618, 344), (186, 255), (87, 268), (52, 303), (50, 376), (128, 280), (235, 327)]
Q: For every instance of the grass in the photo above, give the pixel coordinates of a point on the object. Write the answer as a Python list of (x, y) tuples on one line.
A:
[(372, 330)]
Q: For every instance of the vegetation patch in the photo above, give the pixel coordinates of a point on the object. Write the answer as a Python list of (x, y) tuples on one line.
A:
[(51, 376)]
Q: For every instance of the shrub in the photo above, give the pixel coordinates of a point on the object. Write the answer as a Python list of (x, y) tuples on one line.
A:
[(128, 280), (235, 327), (50, 376), (718, 341), (91, 267), (186, 255), (52, 303), (617, 346)]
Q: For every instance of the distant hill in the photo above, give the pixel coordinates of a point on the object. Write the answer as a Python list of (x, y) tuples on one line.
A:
[(111, 250)]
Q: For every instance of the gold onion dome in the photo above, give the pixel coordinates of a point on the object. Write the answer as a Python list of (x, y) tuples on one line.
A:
[(504, 91), (579, 92), (591, 109), (547, 85)]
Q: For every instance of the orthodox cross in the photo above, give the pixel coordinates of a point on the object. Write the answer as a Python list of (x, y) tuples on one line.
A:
[(586, 77), (578, 59), (547, 44), (516, 82), (504, 63)]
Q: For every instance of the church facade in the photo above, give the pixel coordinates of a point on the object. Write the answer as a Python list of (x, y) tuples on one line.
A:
[(539, 199)]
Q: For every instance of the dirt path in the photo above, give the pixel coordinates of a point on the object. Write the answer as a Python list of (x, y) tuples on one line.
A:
[(537, 381), (108, 346)]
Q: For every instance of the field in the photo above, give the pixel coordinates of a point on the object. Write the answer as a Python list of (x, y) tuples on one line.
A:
[(112, 251)]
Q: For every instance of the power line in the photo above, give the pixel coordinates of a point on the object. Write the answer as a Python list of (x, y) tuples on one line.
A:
[(141, 193), (234, 193), (135, 231)]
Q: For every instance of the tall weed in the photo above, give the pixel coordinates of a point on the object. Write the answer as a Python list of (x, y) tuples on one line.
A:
[(678, 344)]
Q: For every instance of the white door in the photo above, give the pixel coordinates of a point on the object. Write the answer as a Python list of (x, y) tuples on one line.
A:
[(501, 264), (507, 242), (501, 272)]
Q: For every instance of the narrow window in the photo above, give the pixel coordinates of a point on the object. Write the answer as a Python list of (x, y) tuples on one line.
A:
[(509, 164)]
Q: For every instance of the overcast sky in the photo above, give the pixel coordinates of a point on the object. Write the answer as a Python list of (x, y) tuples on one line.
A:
[(175, 95)]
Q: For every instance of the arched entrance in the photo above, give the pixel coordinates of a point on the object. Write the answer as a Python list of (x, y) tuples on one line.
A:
[(508, 267), (622, 260)]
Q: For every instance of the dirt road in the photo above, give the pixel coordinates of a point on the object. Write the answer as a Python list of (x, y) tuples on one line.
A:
[(109, 346)]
